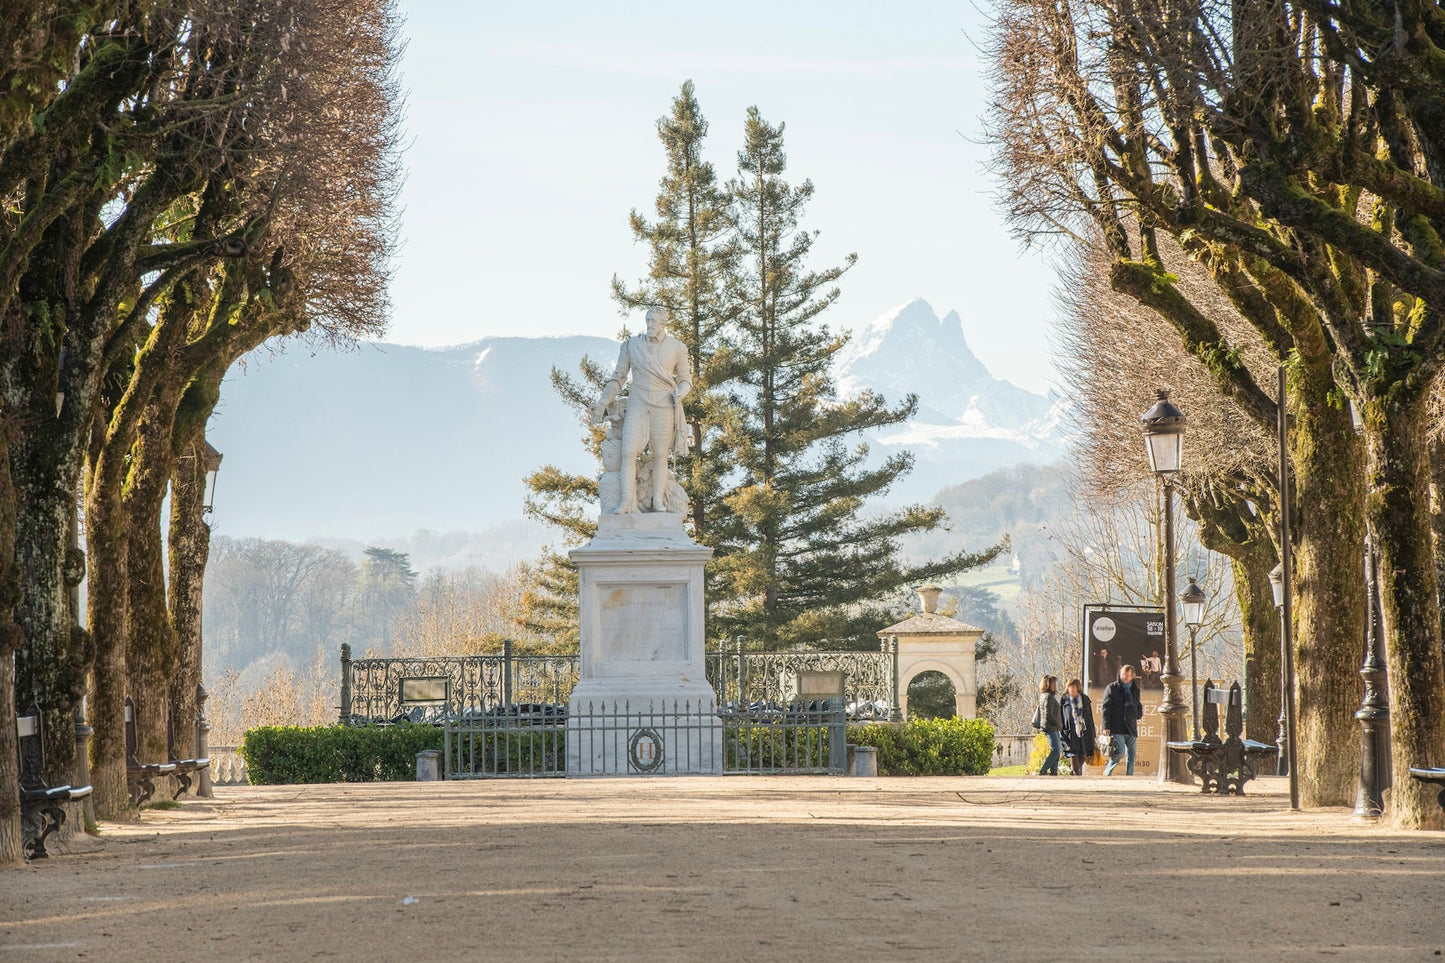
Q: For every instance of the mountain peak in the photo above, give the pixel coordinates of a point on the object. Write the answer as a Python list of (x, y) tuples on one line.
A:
[(912, 344)]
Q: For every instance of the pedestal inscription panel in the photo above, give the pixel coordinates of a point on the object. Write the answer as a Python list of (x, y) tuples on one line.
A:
[(642, 623)]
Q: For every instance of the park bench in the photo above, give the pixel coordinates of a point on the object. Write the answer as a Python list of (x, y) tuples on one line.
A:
[(140, 776), (42, 807), (1434, 777), (185, 768), (1223, 765)]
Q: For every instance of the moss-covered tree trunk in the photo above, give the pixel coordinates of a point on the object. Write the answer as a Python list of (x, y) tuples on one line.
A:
[(51, 661), (109, 618), (1400, 510), (189, 543), (11, 848), (1330, 591), (151, 649), (1260, 623)]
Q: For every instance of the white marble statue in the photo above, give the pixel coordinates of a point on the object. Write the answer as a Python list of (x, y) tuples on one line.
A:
[(646, 427)]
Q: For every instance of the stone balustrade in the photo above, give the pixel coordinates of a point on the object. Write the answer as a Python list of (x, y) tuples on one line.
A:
[(227, 767)]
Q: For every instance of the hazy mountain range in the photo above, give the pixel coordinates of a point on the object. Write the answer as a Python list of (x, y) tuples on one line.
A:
[(380, 442)]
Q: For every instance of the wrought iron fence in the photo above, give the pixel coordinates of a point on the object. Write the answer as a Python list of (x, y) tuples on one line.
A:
[(771, 679), (625, 739), (434, 689)]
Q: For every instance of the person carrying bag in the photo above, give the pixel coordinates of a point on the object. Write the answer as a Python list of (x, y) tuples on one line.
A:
[(1078, 727), (1048, 718)]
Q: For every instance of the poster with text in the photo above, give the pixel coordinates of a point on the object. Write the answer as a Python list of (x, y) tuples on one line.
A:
[(1114, 638)]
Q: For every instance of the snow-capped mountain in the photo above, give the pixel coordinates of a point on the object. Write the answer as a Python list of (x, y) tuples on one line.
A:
[(968, 422), (390, 439)]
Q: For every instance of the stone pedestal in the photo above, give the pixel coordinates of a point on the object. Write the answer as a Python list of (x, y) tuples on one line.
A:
[(642, 705)]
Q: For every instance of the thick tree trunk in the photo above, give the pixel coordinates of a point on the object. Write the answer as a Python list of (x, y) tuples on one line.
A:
[(52, 659), (11, 849), (1260, 623), (151, 655), (1400, 510), (109, 618), (190, 546), (1328, 461)]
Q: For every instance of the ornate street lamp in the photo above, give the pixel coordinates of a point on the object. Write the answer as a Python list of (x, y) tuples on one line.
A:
[(213, 466), (1192, 601), (1164, 435), (1164, 441)]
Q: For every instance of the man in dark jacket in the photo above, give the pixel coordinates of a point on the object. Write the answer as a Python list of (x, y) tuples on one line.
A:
[(1122, 712)]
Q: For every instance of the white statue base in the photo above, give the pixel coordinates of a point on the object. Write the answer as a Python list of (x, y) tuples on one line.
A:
[(643, 705)]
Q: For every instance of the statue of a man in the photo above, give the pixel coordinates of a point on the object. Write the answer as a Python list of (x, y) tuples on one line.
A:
[(661, 376)]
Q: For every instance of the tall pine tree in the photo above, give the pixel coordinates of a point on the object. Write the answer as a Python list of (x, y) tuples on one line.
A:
[(688, 256), (688, 263), (803, 561)]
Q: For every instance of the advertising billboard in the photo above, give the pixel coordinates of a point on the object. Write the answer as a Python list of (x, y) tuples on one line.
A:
[(1113, 638)]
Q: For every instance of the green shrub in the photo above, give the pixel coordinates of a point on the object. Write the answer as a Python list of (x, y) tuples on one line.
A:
[(526, 751), (761, 746), (929, 747), (291, 754)]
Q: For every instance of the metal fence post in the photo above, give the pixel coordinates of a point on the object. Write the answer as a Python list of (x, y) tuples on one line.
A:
[(742, 698), (837, 736), (203, 744), (345, 719), (507, 672)]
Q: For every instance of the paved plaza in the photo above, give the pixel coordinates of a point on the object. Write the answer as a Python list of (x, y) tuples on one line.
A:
[(733, 868)]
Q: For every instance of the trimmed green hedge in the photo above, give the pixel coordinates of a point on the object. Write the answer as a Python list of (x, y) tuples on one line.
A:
[(929, 747), (291, 754)]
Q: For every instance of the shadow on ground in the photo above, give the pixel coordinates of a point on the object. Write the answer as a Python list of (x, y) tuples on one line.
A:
[(730, 868)]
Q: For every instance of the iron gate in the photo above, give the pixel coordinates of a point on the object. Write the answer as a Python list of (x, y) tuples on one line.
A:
[(621, 739)]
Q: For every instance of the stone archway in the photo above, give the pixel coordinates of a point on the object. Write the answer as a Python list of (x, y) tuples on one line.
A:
[(930, 694), (964, 695), (930, 642)]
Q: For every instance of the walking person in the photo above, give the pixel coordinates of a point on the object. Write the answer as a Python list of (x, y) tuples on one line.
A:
[(1122, 712), (1049, 719), (1077, 713)]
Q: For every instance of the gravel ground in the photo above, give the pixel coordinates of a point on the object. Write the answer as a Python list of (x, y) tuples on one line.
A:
[(733, 868)]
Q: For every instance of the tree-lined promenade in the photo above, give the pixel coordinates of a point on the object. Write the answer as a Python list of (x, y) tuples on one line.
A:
[(1266, 183), (183, 182), (1234, 190)]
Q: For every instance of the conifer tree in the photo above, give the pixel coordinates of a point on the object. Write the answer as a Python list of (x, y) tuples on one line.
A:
[(802, 559), (687, 266)]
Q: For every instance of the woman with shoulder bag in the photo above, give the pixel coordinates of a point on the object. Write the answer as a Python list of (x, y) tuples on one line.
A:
[(1078, 726), (1049, 719)]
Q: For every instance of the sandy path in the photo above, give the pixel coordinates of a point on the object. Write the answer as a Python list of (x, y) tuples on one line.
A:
[(747, 868)]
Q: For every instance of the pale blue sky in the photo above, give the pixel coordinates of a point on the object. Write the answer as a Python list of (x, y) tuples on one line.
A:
[(531, 135)]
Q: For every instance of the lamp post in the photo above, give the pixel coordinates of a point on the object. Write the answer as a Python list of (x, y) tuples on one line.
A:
[(1192, 600), (1281, 739), (1284, 601), (1164, 441), (1374, 710)]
